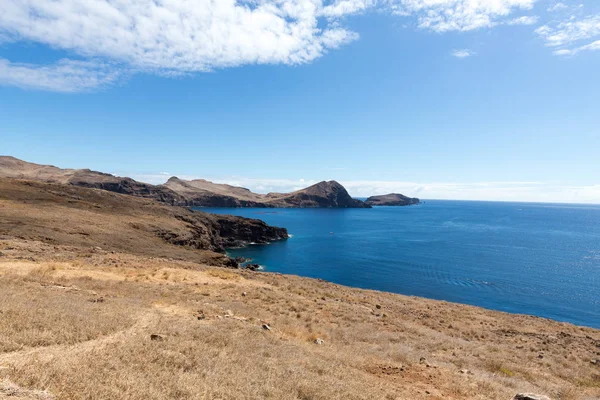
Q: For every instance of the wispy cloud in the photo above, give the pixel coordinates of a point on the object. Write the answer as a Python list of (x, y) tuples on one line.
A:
[(571, 52), (459, 15), (180, 36), (341, 8), (63, 76), (494, 191), (462, 53), (526, 20), (569, 35), (557, 7)]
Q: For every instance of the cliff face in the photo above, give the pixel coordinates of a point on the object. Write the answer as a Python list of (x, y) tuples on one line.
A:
[(392, 199), (181, 192)]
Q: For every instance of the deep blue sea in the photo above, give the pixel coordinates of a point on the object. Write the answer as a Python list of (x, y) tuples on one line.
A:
[(538, 259)]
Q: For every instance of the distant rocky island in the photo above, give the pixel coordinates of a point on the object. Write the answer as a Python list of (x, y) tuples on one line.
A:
[(179, 192), (392, 199)]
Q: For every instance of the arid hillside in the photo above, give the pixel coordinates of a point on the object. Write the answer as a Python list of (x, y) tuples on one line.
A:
[(105, 296)]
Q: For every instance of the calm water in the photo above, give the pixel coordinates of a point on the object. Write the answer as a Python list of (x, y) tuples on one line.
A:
[(537, 259)]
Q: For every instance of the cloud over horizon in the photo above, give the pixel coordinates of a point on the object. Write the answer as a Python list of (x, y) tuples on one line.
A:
[(109, 40)]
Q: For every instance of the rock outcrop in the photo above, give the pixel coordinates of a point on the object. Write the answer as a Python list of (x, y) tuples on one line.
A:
[(179, 192), (529, 396), (392, 199)]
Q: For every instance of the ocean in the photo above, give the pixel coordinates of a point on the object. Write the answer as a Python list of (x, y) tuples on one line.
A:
[(537, 259)]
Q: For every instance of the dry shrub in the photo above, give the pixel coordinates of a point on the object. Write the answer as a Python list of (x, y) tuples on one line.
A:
[(223, 274)]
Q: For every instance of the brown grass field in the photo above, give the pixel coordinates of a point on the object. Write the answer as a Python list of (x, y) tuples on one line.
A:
[(77, 322)]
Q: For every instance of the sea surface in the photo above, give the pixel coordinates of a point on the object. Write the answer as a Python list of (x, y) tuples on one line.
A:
[(538, 259)]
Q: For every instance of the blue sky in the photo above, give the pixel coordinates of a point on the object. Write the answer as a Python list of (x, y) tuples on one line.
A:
[(461, 99)]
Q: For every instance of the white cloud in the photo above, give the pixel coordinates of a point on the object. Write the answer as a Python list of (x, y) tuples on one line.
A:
[(63, 76), (463, 53), (527, 20), (563, 52), (569, 34), (459, 15), (571, 52), (493, 191), (557, 7), (174, 37), (345, 7)]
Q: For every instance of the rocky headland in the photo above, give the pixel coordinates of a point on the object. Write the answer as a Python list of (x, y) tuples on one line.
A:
[(179, 192), (392, 199)]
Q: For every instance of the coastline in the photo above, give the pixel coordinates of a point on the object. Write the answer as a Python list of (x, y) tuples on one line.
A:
[(480, 254), (111, 296)]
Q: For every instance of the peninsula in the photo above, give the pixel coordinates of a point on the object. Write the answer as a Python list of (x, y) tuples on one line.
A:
[(392, 199), (175, 191)]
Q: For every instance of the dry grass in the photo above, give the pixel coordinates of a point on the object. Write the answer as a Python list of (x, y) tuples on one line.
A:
[(224, 274), (9, 390), (79, 327)]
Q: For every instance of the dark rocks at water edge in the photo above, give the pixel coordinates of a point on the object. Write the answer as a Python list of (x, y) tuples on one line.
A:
[(219, 232), (253, 267), (392, 199)]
